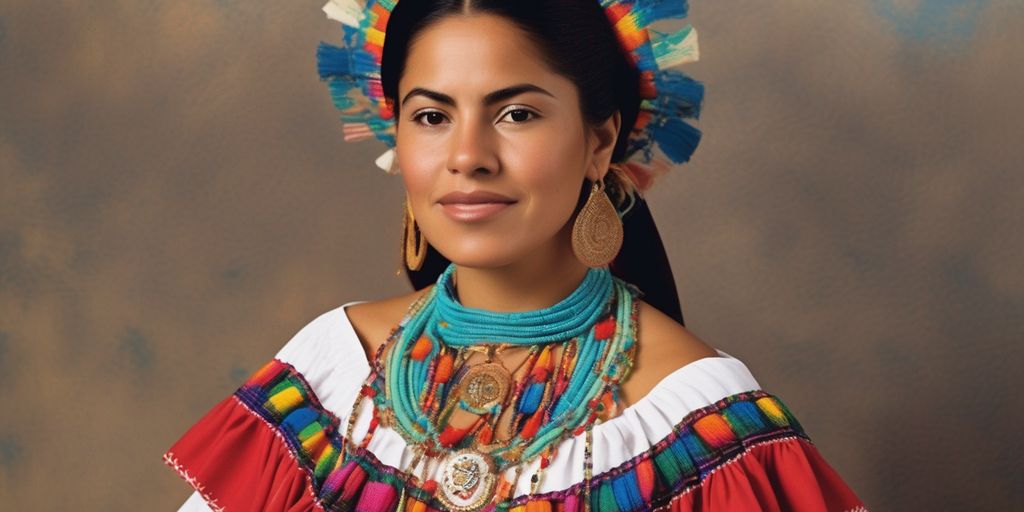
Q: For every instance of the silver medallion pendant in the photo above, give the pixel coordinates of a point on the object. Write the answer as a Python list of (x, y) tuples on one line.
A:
[(468, 480), (484, 387)]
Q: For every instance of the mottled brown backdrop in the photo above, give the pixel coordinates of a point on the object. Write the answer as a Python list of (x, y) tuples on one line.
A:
[(177, 201)]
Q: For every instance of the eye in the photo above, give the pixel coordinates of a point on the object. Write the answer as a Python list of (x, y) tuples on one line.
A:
[(520, 115), (431, 115)]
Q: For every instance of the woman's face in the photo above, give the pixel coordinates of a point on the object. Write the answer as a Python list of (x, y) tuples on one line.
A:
[(479, 110)]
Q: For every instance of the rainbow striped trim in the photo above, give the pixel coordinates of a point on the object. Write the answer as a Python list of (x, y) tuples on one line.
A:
[(352, 74), (700, 443)]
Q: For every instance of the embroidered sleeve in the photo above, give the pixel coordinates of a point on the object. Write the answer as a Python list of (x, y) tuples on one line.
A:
[(745, 452)]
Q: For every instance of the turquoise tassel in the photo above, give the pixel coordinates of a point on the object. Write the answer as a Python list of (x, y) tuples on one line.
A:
[(653, 10), (674, 48)]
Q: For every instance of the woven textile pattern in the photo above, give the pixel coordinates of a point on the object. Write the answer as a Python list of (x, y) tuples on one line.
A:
[(700, 443)]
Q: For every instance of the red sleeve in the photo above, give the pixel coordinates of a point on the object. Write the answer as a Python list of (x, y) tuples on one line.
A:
[(272, 446), (783, 475), (237, 463)]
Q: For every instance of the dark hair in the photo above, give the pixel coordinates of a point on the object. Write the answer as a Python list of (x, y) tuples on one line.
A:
[(578, 42)]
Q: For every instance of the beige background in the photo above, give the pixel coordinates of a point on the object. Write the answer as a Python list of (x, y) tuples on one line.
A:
[(177, 201)]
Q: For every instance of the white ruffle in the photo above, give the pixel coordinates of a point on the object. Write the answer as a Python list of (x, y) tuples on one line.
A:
[(329, 355)]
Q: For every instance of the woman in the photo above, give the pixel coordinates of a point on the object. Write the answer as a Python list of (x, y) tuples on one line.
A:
[(542, 362)]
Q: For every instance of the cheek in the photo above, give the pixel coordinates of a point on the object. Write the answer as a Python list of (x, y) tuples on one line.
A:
[(418, 178), (550, 167), (553, 187)]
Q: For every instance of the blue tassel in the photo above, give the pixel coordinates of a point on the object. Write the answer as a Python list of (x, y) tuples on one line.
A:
[(364, 64), (676, 138), (646, 59), (531, 398), (350, 35), (678, 94), (332, 61)]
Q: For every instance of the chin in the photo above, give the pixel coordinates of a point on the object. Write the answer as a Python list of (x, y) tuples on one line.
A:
[(481, 255), (479, 260)]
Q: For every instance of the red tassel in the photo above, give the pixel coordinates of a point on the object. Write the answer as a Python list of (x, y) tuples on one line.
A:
[(532, 424), (486, 434), (450, 436), (605, 328), (430, 486), (353, 483), (539, 374)]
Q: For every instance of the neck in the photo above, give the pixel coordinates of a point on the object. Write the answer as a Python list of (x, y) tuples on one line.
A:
[(536, 282)]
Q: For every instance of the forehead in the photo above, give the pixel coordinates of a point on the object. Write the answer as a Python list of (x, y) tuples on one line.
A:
[(476, 54)]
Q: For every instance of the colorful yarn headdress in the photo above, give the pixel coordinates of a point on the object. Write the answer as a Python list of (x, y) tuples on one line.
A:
[(659, 138)]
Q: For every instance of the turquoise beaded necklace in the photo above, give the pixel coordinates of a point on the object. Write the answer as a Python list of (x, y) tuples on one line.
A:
[(567, 319), (415, 373)]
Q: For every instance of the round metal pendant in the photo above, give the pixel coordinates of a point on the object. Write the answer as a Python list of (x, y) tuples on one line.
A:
[(484, 386), (468, 480)]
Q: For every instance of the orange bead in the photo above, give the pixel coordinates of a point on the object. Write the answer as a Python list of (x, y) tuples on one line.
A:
[(545, 357), (443, 372), (421, 348)]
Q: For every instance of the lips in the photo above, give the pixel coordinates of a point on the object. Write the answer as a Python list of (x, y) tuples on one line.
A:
[(474, 197), (474, 212), (473, 206)]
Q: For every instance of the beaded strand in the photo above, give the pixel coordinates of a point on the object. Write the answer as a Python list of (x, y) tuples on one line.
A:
[(550, 401)]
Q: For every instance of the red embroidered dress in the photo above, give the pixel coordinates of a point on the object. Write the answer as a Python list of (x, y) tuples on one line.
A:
[(705, 438)]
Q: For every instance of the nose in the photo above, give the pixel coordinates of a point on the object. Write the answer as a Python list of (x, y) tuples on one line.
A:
[(472, 148)]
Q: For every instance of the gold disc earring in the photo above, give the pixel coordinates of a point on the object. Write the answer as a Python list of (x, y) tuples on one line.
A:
[(597, 231), (414, 248)]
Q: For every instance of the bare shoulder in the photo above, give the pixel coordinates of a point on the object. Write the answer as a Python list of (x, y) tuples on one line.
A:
[(373, 320), (663, 346)]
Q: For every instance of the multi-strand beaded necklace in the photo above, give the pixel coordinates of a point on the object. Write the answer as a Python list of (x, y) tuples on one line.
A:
[(421, 374)]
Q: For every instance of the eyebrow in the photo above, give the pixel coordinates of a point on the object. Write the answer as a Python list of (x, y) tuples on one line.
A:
[(489, 99)]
